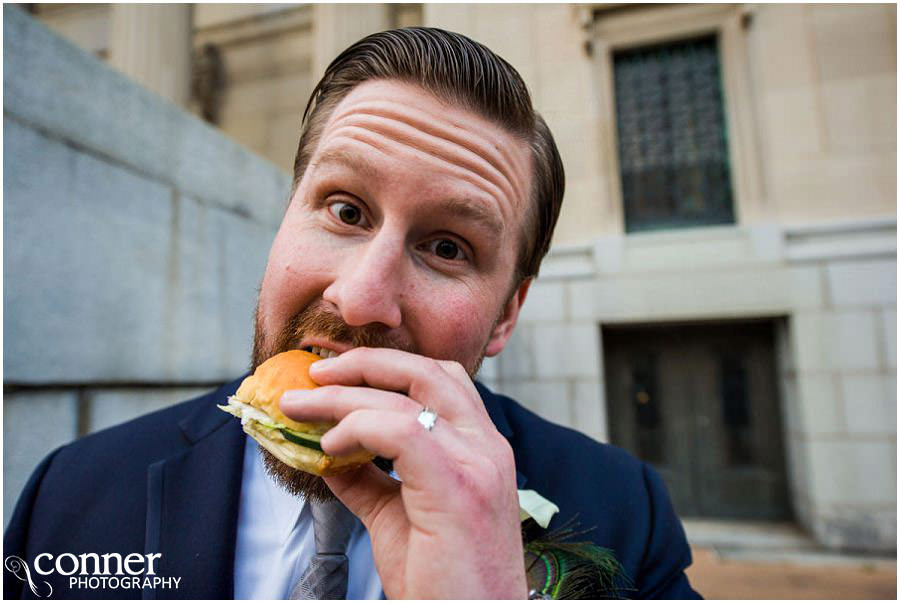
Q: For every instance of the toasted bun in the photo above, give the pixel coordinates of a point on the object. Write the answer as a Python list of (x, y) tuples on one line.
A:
[(280, 373), (263, 390)]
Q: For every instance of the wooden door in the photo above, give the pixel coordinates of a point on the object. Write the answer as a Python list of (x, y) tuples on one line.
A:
[(700, 403)]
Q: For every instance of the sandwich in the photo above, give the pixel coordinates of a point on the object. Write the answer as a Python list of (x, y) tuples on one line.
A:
[(257, 404)]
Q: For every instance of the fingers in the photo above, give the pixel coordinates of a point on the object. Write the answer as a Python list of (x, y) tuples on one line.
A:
[(456, 370), (421, 457), (376, 395), (442, 385), (387, 433), (331, 403), (363, 490), (383, 368)]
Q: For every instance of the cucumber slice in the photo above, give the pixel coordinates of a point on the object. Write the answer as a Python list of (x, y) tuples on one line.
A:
[(300, 440)]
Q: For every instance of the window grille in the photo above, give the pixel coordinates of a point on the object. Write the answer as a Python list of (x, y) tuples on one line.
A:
[(673, 142)]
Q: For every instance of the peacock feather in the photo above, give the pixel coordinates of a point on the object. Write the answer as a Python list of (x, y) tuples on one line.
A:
[(557, 568)]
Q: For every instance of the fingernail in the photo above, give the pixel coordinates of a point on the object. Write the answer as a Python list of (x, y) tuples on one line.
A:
[(320, 365), (294, 394)]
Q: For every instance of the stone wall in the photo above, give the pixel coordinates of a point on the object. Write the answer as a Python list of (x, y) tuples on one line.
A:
[(833, 287), (273, 55), (135, 238), (809, 91), (269, 56)]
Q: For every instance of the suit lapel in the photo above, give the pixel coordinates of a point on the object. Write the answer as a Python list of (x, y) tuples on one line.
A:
[(192, 505), (496, 411)]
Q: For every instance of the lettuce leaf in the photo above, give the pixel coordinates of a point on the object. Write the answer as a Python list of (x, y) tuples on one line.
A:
[(246, 413)]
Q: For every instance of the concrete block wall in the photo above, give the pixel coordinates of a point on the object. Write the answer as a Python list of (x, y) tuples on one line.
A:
[(28, 436), (817, 83), (268, 53), (825, 108), (846, 362), (552, 363), (135, 239), (832, 291)]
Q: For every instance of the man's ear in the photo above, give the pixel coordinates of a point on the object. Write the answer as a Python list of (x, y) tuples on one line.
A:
[(507, 322)]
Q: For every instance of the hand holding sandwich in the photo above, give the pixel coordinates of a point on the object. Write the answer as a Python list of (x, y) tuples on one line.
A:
[(451, 528)]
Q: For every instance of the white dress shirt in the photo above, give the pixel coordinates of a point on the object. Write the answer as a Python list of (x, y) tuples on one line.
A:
[(275, 540)]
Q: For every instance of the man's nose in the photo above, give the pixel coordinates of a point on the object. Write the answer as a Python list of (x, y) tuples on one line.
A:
[(367, 288)]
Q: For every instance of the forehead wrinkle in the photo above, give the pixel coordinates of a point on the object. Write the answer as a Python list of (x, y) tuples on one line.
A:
[(503, 160), (463, 161), (430, 123), (462, 207), (363, 135)]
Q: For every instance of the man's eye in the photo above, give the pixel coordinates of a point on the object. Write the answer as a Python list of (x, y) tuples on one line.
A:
[(447, 249), (346, 213)]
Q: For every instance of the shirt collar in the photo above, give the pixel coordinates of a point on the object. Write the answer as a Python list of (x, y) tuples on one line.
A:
[(284, 508)]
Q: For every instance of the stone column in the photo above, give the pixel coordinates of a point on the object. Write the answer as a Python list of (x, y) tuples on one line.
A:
[(337, 26), (151, 43)]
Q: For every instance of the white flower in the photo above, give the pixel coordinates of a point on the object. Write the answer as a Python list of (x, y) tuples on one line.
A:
[(535, 506)]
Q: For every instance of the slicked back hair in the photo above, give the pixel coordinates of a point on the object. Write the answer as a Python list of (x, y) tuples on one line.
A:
[(461, 71)]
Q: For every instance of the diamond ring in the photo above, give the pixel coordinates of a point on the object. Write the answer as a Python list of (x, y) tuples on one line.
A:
[(427, 418)]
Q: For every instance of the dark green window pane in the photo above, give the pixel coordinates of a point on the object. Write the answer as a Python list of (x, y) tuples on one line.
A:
[(673, 149)]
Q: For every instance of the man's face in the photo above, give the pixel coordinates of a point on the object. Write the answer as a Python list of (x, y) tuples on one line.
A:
[(403, 232)]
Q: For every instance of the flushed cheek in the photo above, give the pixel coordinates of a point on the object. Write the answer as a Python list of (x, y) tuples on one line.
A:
[(293, 280), (454, 328)]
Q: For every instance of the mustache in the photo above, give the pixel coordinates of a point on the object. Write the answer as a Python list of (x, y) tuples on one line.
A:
[(315, 320)]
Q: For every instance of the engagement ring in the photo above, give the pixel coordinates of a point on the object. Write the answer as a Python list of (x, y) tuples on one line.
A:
[(428, 418)]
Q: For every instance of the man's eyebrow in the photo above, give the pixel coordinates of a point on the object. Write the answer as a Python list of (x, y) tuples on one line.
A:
[(342, 158), (467, 209)]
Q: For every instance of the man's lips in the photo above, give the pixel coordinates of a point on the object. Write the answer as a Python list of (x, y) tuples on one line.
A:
[(325, 349)]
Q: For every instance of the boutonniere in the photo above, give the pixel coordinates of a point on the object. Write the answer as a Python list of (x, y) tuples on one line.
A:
[(556, 567)]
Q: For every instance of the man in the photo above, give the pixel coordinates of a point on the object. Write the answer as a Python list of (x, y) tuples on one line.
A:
[(425, 194)]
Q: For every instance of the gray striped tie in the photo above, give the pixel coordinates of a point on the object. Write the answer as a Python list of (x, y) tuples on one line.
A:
[(327, 574)]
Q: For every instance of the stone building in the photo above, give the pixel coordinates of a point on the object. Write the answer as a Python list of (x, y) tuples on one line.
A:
[(721, 294)]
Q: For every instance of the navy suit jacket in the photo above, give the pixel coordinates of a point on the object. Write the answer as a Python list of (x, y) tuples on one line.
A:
[(169, 482)]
